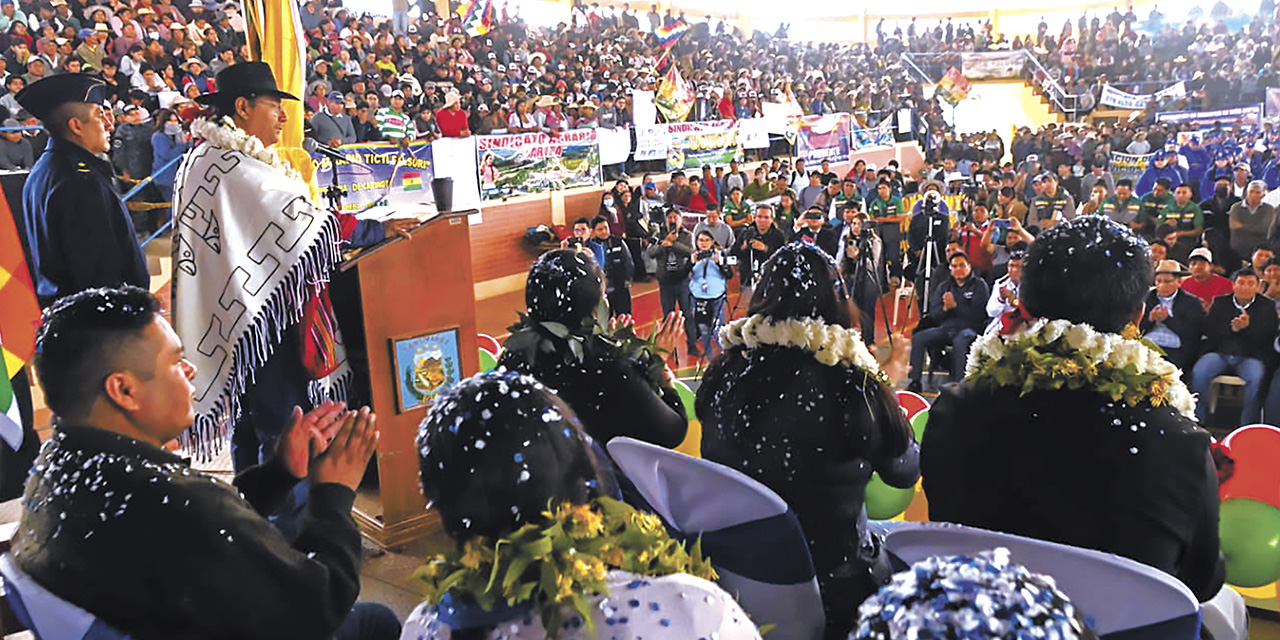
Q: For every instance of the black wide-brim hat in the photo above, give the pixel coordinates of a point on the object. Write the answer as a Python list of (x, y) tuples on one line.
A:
[(244, 80), (42, 97)]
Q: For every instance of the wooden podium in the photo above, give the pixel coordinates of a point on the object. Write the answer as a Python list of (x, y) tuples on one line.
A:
[(410, 291)]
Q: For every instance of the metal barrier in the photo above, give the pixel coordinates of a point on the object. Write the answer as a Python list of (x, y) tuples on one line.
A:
[(143, 183)]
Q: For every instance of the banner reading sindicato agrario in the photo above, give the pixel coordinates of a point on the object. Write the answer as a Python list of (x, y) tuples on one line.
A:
[(524, 163)]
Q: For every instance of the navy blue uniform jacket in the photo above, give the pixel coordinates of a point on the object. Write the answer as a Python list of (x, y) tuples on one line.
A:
[(79, 235)]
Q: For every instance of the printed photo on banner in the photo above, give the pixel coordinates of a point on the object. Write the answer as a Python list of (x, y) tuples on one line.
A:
[(693, 144), (387, 175), (525, 163), (881, 136), (824, 138), (1127, 165)]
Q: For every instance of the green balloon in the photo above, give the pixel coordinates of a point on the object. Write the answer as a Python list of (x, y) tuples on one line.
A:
[(488, 361), (686, 398), (1249, 533), (884, 502), (918, 423)]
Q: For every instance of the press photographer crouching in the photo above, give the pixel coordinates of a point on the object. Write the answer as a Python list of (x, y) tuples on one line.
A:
[(861, 250), (708, 286)]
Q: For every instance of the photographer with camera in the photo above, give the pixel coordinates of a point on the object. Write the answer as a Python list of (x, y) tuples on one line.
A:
[(708, 286), (859, 256), (817, 231), (755, 244), (927, 237), (581, 235), (674, 253)]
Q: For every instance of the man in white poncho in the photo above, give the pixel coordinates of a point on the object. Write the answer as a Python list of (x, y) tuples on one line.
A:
[(252, 258)]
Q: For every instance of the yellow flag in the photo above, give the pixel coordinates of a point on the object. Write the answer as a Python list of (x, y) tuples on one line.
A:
[(276, 37)]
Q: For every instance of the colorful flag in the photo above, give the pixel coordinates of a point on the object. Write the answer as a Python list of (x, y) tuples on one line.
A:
[(668, 33), (477, 17), (674, 98), (412, 180), (953, 87), (275, 37), (19, 310), (19, 315)]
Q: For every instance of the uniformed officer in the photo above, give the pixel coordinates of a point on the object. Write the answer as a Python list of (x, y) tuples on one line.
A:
[(79, 234)]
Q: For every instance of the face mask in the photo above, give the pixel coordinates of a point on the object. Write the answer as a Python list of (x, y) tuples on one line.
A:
[(608, 202), (173, 129), (1221, 191)]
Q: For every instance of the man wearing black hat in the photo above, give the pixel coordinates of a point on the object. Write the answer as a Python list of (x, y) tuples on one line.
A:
[(251, 258), (79, 234)]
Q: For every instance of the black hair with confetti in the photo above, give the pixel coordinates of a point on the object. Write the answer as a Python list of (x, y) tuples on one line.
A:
[(1090, 270), (564, 286), (497, 448), (802, 281), (80, 341)]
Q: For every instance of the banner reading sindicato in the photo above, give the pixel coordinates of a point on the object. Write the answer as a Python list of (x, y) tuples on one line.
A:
[(525, 163)]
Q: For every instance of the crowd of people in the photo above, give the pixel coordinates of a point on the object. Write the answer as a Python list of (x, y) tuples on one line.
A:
[(1144, 56), (1030, 275)]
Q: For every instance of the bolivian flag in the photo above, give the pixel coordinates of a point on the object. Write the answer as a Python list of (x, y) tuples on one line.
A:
[(412, 181), (19, 315)]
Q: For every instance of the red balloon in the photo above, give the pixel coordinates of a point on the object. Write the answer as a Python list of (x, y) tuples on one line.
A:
[(1255, 450), (912, 403), (488, 343)]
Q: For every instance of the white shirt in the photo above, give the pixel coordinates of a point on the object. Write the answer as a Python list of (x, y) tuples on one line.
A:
[(674, 606), (998, 306)]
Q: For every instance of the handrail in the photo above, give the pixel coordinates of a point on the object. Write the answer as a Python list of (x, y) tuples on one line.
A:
[(1056, 93), (1067, 103), (138, 187), (911, 64)]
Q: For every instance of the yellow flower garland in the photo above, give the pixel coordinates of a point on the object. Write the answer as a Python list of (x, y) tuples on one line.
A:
[(561, 561)]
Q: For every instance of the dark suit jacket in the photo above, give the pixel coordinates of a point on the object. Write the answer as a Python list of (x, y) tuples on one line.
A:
[(1073, 467), (1187, 321), (1255, 341)]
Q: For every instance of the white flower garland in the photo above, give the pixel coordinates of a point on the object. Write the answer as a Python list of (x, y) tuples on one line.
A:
[(226, 135), (1101, 348), (829, 344)]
